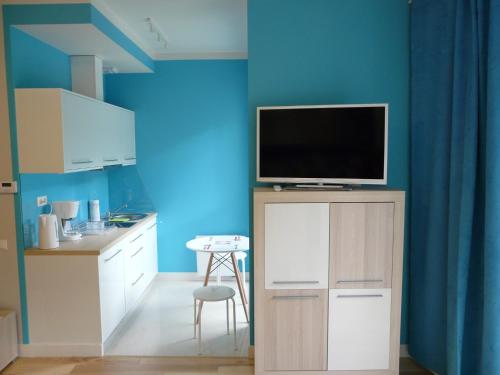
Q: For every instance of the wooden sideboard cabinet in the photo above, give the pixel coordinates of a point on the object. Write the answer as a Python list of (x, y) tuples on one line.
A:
[(328, 276)]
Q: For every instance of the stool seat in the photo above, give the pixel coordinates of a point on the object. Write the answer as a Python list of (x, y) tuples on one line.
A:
[(213, 293)]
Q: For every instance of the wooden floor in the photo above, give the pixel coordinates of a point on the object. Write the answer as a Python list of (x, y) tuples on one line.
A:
[(150, 366)]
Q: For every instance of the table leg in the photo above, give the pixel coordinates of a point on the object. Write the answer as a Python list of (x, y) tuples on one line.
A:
[(209, 267), (240, 286)]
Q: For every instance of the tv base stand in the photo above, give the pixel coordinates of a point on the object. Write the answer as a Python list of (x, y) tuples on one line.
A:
[(319, 187)]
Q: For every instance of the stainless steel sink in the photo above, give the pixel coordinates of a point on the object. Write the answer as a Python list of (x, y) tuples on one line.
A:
[(130, 217), (125, 224)]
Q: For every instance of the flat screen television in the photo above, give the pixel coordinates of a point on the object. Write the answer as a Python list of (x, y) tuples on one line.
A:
[(325, 144)]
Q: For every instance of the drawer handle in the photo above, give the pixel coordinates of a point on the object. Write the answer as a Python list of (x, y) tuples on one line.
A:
[(136, 281), (361, 281), (82, 162), (137, 252), (111, 257), (135, 239), (296, 282), (110, 159), (360, 295), (152, 226), (297, 296)]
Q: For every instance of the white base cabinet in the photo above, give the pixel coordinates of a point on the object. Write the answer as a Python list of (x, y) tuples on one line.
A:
[(8, 338), (328, 276), (75, 302)]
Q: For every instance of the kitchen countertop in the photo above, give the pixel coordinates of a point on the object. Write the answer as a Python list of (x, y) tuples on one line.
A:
[(93, 244)]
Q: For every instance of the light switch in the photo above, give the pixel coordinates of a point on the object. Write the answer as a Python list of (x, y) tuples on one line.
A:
[(3, 245), (8, 187)]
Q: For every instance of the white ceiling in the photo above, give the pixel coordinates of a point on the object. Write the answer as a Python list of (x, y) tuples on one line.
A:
[(194, 29)]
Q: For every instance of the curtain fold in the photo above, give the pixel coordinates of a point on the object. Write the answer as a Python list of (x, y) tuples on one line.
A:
[(454, 322)]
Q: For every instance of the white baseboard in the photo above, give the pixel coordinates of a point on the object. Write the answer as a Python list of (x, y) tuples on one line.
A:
[(190, 276), (403, 351), (60, 350)]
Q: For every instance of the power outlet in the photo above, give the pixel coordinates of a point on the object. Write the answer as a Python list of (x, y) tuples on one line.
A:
[(41, 201)]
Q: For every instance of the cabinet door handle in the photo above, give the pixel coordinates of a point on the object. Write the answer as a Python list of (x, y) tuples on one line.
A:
[(130, 158), (296, 282), (152, 226), (137, 252), (136, 281), (82, 161), (360, 295), (360, 281), (112, 256), (110, 159), (297, 296), (135, 239)]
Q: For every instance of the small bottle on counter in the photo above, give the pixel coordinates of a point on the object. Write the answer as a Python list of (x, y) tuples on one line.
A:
[(94, 213)]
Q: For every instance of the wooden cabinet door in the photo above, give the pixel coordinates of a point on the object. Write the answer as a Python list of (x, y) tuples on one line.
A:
[(359, 329), (296, 245), (361, 245), (111, 289), (295, 330)]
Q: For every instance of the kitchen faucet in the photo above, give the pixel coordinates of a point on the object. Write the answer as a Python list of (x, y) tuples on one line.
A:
[(109, 212)]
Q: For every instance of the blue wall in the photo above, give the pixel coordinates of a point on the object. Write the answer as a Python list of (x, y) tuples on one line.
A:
[(36, 64), (192, 152), (329, 52)]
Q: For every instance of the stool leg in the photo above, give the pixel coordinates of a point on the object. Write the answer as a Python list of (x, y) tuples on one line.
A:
[(234, 325), (199, 332), (227, 316), (195, 318)]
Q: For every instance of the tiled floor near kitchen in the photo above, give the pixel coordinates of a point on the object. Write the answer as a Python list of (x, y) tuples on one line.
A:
[(151, 366), (163, 324)]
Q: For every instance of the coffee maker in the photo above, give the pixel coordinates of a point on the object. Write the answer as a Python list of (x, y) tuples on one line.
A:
[(65, 212)]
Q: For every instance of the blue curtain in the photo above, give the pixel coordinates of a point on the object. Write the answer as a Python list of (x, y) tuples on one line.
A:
[(454, 314)]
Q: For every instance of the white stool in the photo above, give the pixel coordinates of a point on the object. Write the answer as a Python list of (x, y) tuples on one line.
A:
[(213, 294)]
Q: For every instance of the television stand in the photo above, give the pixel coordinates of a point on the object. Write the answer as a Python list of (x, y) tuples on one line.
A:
[(319, 187)]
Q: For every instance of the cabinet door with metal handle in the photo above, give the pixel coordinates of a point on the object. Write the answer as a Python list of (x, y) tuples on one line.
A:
[(295, 330), (359, 329), (296, 245)]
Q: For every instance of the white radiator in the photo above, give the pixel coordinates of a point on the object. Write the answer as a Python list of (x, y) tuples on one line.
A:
[(8, 338)]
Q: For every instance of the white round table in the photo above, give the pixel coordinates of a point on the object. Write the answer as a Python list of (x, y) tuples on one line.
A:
[(222, 251)]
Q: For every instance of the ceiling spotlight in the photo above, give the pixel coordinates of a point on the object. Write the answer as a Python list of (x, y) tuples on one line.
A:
[(154, 29)]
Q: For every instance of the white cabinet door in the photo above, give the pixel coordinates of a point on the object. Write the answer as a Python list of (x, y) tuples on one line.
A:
[(151, 251), (135, 268), (359, 329), (127, 137), (112, 289), (296, 245), (109, 134), (80, 132)]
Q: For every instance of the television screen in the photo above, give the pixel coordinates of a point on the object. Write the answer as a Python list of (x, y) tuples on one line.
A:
[(330, 144)]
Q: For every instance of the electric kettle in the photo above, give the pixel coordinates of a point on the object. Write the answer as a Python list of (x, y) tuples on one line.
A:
[(48, 234)]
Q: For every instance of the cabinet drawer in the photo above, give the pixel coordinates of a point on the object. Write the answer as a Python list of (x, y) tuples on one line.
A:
[(296, 245), (295, 330), (359, 329), (361, 245)]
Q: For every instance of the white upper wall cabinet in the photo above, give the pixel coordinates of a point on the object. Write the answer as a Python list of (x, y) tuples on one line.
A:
[(59, 131)]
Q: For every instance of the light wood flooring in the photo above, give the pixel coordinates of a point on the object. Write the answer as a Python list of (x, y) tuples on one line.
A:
[(151, 366)]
